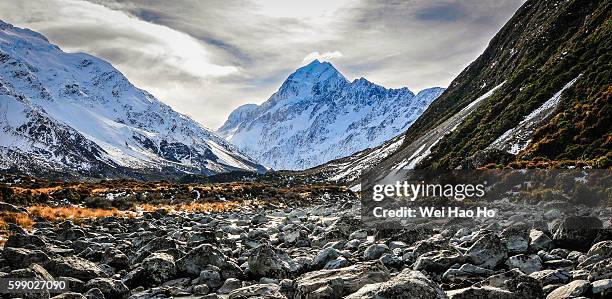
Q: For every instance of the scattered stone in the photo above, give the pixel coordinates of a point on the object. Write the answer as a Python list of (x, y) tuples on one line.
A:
[(526, 263), (406, 285), (573, 289), (375, 251), (266, 261), (340, 282), (577, 232), (466, 272), (488, 251)]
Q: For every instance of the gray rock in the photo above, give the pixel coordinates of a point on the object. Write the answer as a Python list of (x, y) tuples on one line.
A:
[(109, 287), (547, 277), (601, 270), (602, 287), (76, 267), (437, 261), (406, 285), (598, 252), (488, 251), (337, 263), (69, 295), (266, 261), (526, 263), (200, 257), (259, 219), (229, 285), (201, 289), (481, 293), (466, 272), (324, 256), (210, 277), (538, 240), (160, 267), (94, 294), (573, 289), (269, 291), (18, 258), (516, 238), (375, 251), (339, 282), (577, 232), (515, 281)]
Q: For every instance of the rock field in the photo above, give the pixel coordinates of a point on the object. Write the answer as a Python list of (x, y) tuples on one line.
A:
[(320, 251)]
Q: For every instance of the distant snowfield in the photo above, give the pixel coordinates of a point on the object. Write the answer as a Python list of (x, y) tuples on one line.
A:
[(317, 116)]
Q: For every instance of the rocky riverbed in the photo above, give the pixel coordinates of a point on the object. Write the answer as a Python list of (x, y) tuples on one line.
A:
[(320, 251)]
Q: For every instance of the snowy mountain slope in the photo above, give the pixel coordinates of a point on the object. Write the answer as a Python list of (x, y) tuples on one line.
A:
[(551, 105), (76, 113), (551, 65), (317, 115)]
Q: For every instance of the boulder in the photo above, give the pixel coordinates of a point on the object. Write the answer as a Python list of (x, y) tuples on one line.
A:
[(200, 257), (375, 251), (538, 240), (598, 252), (406, 285), (515, 281), (547, 277), (324, 256), (266, 261), (268, 291), (229, 285), (526, 263), (488, 251), (109, 287), (466, 272), (573, 289), (160, 267), (516, 238), (437, 261), (337, 283), (481, 293), (73, 266), (602, 288), (577, 232)]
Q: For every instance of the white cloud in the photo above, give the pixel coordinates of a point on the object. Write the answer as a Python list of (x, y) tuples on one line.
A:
[(322, 56)]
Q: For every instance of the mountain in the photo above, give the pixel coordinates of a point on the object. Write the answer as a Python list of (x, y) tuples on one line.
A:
[(539, 96), (318, 115), (72, 114)]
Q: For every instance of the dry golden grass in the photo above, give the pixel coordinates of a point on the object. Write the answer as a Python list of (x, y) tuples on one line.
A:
[(74, 213), (197, 207), (21, 219)]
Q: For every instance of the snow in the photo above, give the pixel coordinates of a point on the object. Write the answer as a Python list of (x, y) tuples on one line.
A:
[(518, 138), (85, 98), (317, 116), (425, 143)]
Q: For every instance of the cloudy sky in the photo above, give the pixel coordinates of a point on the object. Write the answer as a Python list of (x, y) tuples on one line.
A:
[(206, 57)]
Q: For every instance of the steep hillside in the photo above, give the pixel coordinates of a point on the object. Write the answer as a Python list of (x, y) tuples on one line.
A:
[(539, 95), (318, 115), (74, 115)]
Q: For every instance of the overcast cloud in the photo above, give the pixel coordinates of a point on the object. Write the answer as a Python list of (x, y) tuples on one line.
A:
[(205, 58)]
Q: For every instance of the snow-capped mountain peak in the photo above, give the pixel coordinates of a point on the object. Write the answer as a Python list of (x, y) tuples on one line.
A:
[(76, 113), (318, 115)]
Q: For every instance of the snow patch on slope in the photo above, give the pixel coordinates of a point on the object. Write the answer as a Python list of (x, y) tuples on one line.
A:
[(518, 138)]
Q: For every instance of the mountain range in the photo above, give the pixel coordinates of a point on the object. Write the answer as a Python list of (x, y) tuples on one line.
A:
[(317, 115), (75, 115)]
